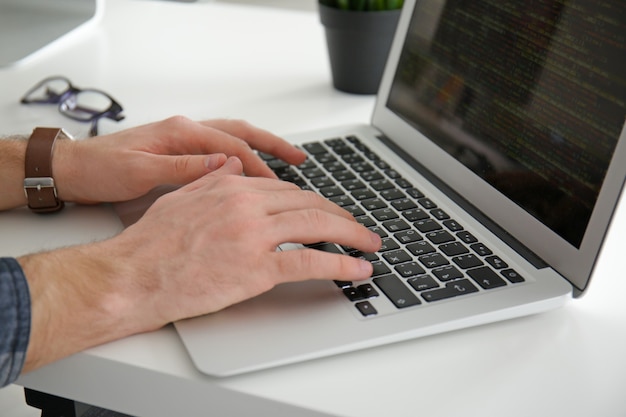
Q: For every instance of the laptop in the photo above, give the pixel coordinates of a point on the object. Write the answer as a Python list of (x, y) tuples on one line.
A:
[(494, 161)]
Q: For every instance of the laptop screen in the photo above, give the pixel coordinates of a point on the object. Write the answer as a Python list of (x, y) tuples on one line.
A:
[(530, 98)]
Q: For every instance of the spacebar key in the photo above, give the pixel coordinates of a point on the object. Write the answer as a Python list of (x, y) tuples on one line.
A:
[(396, 291)]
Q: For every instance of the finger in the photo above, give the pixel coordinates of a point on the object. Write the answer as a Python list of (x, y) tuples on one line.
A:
[(296, 199), (304, 264), (313, 225), (260, 139), (182, 136), (235, 146), (183, 169)]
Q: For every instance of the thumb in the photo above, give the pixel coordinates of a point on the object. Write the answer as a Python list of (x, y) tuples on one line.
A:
[(232, 166), (183, 169)]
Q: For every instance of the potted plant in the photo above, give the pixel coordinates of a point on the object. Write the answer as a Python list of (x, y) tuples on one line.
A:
[(358, 35)]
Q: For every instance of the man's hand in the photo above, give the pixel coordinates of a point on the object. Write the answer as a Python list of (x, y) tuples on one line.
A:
[(201, 248), (127, 164), (176, 151)]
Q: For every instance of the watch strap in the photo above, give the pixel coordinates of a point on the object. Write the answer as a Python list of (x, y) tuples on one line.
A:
[(39, 184)]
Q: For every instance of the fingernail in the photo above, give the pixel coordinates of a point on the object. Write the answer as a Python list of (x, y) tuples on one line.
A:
[(214, 161), (376, 240), (366, 268)]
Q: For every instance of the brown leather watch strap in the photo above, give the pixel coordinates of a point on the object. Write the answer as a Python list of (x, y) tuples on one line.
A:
[(38, 181)]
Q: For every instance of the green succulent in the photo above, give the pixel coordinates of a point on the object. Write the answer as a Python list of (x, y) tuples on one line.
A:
[(363, 5)]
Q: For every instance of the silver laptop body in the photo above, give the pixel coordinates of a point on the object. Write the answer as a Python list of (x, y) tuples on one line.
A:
[(521, 144)]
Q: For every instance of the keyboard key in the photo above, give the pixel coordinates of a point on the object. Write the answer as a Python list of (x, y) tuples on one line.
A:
[(452, 289), (343, 201), (352, 185), (396, 225), (447, 273), (368, 256), (422, 283), (481, 249), (453, 248), (496, 262), (314, 148), (321, 182), (373, 204), (466, 237), (415, 215), (366, 308), (334, 166), (324, 158), (351, 158), (391, 173), (379, 231), (439, 236), (404, 204), (365, 220), (379, 185), (396, 291), (371, 176), (353, 294), (439, 214), (367, 290), (420, 248), (380, 268), (326, 247), (467, 261), (408, 236), (486, 278), (452, 225), (331, 191), (415, 193), (396, 256), (512, 276), (343, 175), (353, 209), (409, 269), (362, 194), (362, 167), (388, 244), (313, 173), (343, 284), (385, 214), (433, 260), (392, 194), (403, 183), (427, 225), (427, 203)]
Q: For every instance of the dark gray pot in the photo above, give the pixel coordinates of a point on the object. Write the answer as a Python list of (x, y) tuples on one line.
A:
[(358, 45)]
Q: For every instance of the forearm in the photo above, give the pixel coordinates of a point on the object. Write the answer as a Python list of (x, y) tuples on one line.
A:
[(12, 152), (76, 302)]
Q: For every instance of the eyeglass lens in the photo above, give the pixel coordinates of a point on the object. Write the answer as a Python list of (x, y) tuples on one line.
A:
[(85, 105), (50, 91)]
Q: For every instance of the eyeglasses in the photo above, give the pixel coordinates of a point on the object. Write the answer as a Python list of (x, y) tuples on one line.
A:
[(83, 105)]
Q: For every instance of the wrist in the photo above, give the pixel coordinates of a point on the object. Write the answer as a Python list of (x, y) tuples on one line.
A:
[(75, 302), (12, 156)]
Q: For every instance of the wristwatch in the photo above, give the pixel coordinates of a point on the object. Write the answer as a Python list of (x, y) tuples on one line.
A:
[(39, 184)]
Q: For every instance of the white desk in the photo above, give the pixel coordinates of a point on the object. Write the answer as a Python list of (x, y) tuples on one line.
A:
[(268, 65)]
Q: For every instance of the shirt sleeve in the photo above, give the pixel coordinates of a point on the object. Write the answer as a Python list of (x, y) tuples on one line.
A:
[(14, 320)]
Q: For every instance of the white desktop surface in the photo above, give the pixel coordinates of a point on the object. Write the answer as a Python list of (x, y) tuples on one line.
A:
[(268, 65)]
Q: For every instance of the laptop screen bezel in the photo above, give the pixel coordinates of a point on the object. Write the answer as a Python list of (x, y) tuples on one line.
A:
[(575, 264)]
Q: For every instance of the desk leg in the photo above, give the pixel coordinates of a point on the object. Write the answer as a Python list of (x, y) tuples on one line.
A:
[(50, 405)]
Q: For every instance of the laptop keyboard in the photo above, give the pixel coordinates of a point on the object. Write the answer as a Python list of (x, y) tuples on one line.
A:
[(426, 256)]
